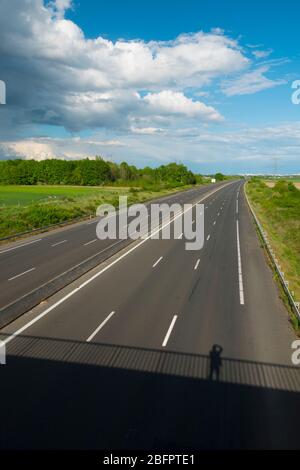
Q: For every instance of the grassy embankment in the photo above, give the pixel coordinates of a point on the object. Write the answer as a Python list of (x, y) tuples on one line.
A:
[(25, 208), (271, 183), (278, 209)]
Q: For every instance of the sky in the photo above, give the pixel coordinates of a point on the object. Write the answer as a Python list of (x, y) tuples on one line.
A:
[(207, 84)]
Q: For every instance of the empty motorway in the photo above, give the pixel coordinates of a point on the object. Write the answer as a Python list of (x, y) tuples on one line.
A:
[(36, 261), (157, 347)]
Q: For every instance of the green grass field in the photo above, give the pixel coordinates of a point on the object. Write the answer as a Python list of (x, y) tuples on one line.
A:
[(24, 208), (25, 195), (278, 209)]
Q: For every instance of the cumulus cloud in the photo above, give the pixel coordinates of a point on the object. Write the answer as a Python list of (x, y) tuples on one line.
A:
[(59, 7), (175, 103), (250, 82), (57, 76), (42, 148)]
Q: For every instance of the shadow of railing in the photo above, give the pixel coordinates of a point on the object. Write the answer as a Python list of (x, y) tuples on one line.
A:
[(62, 394), (196, 366)]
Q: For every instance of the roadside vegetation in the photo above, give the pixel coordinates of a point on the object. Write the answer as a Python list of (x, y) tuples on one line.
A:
[(278, 209), (271, 182), (37, 194), (68, 205), (96, 172)]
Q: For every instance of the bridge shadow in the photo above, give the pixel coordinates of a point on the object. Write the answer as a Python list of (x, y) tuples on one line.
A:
[(58, 394)]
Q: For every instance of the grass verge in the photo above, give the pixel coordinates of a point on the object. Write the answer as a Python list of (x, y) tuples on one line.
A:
[(24, 208), (278, 209)]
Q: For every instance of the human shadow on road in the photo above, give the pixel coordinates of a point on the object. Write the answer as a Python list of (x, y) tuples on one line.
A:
[(215, 362)]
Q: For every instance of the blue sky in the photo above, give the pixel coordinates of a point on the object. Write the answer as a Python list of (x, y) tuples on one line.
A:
[(200, 82)]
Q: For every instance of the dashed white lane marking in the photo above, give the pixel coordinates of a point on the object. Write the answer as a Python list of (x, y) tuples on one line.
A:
[(91, 241), (100, 327), (197, 264), (218, 214), (208, 237), (241, 284), (20, 246), (156, 262), (169, 331), (237, 206), (180, 236), (92, 278), (59, 243), (21, 274), (215, 222)]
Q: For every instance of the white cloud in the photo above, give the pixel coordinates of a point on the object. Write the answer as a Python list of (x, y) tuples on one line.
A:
[(146, 130), (250, 82), (261, 54), (175, 103), (249, 150), (59, 6), (69, 148), (55, 75)]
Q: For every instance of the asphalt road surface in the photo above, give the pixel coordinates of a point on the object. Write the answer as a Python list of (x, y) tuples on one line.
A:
[(34, 261), (156, 348)]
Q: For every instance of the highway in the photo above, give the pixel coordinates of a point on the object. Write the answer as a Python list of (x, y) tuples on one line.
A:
[(37, 260), (155, 348)]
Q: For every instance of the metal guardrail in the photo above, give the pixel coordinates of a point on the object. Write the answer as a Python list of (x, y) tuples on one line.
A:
[(295, 306)]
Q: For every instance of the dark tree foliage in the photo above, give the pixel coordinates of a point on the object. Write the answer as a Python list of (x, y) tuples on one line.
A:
[(219, 177), (93, 173)]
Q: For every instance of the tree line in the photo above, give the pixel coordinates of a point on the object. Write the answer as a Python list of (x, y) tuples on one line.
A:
[(93, 173)]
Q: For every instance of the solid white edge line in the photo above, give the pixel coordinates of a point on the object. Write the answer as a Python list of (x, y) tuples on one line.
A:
[(100, 327), (169, 331), (20, 246), (240, 273), (21, 274), (156, 262), (88, 281)]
